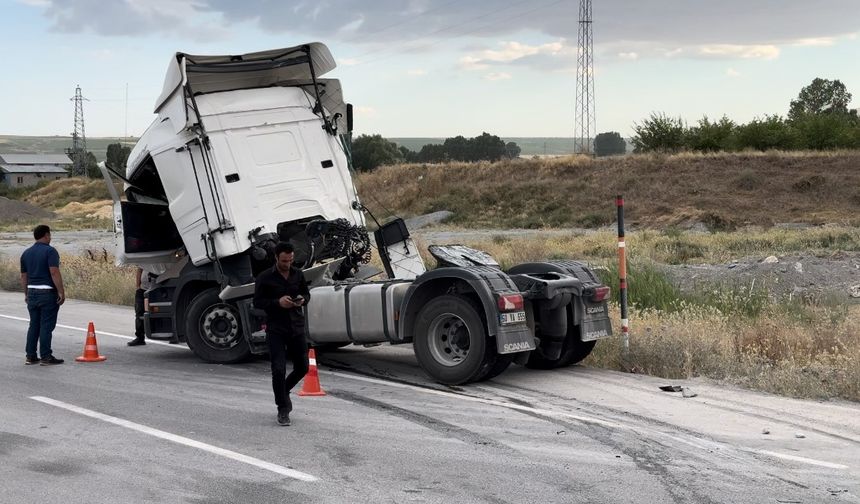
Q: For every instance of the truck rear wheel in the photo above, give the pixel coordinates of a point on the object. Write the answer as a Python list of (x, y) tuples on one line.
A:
[(213, 329), (573, 349), (451, 341)]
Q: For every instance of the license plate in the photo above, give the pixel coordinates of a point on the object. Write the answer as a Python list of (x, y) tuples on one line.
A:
[(512, 317)]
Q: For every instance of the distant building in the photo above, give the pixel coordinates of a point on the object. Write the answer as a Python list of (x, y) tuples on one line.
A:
[(22, 170)]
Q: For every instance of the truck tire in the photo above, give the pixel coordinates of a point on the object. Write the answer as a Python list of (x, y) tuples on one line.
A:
[(213, 329), (451, 342), (499, 366), (573, 349)]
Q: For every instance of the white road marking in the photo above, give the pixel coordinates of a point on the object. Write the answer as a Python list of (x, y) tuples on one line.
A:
[(99, 332), (262, 464), (804, 460)]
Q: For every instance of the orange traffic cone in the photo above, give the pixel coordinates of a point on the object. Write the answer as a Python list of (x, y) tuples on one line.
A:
[(91, 348), (311, 384)]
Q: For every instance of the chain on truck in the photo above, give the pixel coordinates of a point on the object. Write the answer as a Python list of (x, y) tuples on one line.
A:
[(249, 150)]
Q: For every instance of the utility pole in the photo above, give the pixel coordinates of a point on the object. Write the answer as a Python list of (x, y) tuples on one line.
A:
[(584, 117), (78, 151)]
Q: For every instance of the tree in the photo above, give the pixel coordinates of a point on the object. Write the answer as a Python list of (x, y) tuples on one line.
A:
[(710, 136), (822, 96), (659, 133), (92, 165), (512, 150), (609, 144), (486, 147), (433, 153), (459, 149), (117, 155), (372, 151), (772, 132)]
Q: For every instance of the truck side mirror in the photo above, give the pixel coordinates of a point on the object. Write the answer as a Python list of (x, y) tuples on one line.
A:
[(349, 117)]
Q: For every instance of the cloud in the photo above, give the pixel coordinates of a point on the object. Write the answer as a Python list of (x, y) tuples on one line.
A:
[(132, 17), (730, 51), (494, 76), (628, 55), (367, 112), (731, 72), (416, 72), (348, 61), (641, 26), (549, 56), (817, 42)]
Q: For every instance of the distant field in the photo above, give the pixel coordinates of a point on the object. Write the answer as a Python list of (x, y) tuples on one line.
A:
[(12, 144), (531, 146)]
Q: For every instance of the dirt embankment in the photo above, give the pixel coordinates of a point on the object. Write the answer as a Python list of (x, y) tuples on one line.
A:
[(709, 191), (14, 210)]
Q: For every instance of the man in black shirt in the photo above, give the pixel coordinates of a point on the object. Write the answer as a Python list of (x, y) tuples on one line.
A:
[(281, 292)]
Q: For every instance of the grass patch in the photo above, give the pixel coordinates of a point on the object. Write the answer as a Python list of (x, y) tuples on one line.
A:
[(86, 279), (817, 358)]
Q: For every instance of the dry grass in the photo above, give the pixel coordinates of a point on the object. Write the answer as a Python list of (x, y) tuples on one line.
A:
[(86, 279), (723, 191), (818, 357), (59, 193)]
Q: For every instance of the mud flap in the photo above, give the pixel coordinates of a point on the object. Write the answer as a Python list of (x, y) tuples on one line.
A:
[(595, 327), (515, 339)]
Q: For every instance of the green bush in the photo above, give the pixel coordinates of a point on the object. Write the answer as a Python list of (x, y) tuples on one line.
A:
[(710, 136), (659, 133), (772, 132)]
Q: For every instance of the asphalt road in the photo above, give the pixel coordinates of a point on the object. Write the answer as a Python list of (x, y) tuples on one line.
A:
[(154, 424)]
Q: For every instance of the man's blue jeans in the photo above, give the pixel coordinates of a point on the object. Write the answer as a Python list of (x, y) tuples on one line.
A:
[(43, 308)]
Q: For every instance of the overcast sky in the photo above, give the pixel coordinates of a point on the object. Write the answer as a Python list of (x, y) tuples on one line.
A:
[(435, 68)]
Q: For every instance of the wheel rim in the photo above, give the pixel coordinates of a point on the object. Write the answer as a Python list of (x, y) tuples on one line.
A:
[(449, 339), (219, 327)]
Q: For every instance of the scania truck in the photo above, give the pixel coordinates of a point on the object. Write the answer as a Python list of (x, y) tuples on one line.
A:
[(250, 150)]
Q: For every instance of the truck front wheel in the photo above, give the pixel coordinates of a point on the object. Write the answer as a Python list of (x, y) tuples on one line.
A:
[(214, 330), (451, 341)]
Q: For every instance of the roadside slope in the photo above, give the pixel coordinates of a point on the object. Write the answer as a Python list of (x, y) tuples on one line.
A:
[(721, 191)]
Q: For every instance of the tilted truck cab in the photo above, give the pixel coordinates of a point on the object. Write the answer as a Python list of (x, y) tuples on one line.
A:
[(249, 150)]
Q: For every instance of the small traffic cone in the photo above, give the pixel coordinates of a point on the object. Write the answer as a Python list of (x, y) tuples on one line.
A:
[(91, 348), (311, 384)]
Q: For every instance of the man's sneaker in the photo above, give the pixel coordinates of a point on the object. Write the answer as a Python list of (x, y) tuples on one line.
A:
[(283, 416), (136, 342), (51, 361), (31, 360)]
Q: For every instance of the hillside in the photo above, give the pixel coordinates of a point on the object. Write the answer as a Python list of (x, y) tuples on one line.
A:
[(719, 191)]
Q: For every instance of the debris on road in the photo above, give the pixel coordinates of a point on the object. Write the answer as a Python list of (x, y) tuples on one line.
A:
[(799, 435), (765, 431), (671, 388), (686, 392)]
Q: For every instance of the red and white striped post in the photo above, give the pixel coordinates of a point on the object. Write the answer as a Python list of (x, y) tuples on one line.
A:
[(622, 275)]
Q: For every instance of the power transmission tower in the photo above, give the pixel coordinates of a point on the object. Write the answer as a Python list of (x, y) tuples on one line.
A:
[(78, 151), (586, 121)]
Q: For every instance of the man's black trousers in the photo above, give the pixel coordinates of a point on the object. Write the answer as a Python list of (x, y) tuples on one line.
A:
[(283, 344)]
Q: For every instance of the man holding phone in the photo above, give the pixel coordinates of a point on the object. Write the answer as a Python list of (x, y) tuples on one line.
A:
[(282, 292)]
